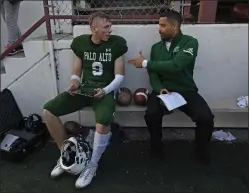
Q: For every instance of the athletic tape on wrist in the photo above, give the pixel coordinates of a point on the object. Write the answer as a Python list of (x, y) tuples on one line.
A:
[(75, 77)]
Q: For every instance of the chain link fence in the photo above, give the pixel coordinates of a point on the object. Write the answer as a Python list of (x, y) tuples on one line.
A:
[(121, 11), (61, 7), (122, 8)]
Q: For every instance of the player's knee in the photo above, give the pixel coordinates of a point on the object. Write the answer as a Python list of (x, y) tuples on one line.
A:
[(48, 110), (102, 129), (103, 121), (47, 114)]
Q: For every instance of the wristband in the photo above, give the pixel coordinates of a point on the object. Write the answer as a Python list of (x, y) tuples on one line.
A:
[(75, 77)]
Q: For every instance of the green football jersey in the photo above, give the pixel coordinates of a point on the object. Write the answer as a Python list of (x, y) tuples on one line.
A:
[(98, 59)]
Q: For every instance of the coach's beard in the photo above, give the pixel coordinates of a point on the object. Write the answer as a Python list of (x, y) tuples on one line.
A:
[(166, 39)]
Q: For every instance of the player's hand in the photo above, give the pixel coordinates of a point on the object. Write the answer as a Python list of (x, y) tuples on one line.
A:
[(99, 93), (164, 91), (137, 62), (74, 84)]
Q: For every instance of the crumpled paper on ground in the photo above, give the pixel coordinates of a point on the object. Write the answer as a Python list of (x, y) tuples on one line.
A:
[(223, 136)]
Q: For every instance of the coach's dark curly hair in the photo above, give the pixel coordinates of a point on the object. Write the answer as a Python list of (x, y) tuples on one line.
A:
[(172, 15)]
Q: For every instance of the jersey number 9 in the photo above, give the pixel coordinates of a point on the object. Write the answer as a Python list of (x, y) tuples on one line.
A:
[(97, 69)]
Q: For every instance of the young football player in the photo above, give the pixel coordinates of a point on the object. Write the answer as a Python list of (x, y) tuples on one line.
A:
[(98, 59)]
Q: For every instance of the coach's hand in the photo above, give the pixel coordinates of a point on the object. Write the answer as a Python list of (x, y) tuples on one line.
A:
[(99, 93), (137, 62), (74, 84)]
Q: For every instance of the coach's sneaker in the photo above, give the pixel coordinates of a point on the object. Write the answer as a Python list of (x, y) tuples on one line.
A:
[(57, 171), (202, 154), (86, 175)]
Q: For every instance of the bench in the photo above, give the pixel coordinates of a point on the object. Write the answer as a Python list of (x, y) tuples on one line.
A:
[(227, 115), (223, 105)]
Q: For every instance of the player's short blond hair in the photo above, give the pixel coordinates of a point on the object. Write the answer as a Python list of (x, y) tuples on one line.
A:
[(96, 15)]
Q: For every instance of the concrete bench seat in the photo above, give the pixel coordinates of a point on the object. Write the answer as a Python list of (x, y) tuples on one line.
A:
[(226, 105), (222, 105), (227, 114)]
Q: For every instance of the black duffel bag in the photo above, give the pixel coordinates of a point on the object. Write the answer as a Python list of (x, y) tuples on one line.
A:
[(19, 142), (18, 135)]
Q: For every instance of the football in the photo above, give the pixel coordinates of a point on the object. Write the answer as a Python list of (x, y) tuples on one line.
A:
[(141, 96), (124, 96), (73, 127)]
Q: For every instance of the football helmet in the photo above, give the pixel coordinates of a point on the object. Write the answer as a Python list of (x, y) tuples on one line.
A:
[(76, 153)]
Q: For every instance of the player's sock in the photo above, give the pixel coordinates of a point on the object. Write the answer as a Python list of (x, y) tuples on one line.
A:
[(100, 143)]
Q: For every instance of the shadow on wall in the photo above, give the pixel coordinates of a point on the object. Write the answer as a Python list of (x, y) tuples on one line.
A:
[(2, 68)]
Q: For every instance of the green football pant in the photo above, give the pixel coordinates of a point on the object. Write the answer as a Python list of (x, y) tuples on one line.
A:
[(64, 104)]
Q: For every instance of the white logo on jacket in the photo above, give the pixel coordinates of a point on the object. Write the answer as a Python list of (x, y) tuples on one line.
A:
[(189, 50), (176, 49)]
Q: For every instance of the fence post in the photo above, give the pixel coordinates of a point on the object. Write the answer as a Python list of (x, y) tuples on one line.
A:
[(47, 19), (53, 68), (186, 7), (207, 11)]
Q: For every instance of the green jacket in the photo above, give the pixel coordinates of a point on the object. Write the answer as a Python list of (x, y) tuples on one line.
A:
[(173, 69)]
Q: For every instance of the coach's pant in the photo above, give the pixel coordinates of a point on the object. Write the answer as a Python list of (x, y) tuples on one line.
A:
[(196, 108), (10, 16), (64, 104)]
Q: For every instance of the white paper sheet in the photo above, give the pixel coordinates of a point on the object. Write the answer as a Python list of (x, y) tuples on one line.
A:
[(172, 100)]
